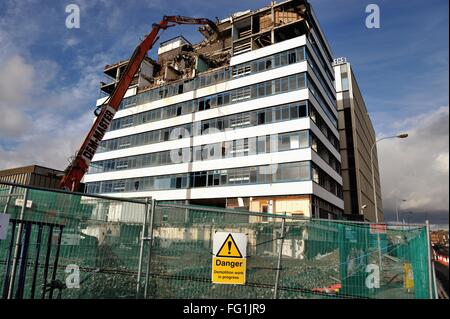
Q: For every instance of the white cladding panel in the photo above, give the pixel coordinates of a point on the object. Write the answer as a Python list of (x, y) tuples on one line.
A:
[(292, 188)]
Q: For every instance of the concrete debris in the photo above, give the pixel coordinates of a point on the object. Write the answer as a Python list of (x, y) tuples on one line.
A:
[(179, 60)]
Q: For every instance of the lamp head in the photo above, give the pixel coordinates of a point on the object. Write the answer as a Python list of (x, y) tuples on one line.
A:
[(403, 135)]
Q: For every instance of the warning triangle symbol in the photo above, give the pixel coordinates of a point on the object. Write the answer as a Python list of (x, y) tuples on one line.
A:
[(229, 249)]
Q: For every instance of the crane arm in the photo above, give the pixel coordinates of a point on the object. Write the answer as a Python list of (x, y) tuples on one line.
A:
[(80, 164)]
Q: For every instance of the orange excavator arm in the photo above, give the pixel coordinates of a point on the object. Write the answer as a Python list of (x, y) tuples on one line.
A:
[(80, 164)]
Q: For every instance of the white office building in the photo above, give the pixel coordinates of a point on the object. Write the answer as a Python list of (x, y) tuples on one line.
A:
[(247, 119)]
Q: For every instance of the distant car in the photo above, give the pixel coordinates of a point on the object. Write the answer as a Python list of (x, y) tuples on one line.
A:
[(332, 289), (440, 254)]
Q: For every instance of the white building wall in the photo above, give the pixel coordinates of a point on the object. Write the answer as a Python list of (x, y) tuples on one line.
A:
[(286, 188)]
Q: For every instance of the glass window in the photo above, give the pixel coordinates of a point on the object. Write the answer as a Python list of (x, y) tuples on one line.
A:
[(284, 85), (276, 60), (277, 86), (261, 88), (283, 58), (292, 83), (304, 139), (277, 114), (254, 67), (268, 88), (292, 57), (301, 81), (302, 110), (261, 66), (294, 141), (315, 175), (261, 118), (284, 142), (285, 112), (293, 111), (226, 98)]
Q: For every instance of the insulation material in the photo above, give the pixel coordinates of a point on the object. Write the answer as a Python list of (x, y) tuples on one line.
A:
[(265, 22), (283, 17)]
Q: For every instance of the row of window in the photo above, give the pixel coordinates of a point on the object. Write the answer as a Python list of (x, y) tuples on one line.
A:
[(328, 90), (324, 64), (269, 115), (326, 210), (267, 174), (326, 181), (230, 122), (271, 62), (227, 149), (221, 75), (277, 86), (323, 127), (320, 100), (325, 154), (274, 114)]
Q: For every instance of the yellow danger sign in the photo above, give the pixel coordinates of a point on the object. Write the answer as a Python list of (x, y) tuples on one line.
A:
[(229, 270), (408, 276), (229, 249), (229, 263)]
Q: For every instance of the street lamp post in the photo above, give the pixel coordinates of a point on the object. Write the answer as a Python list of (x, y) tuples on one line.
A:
[(403, 135), (396, 208), (362, 209)]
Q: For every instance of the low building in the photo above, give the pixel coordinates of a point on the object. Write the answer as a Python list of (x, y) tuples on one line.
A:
[(33, 175)]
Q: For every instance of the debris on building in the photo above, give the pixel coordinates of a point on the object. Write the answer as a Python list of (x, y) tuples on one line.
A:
[(179, 60)]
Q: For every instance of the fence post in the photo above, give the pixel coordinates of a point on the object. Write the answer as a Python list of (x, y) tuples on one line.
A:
[(11, 191), (430, 275), (277, 277), (141, 250), (16, 248), (150, 244), (436, 294)]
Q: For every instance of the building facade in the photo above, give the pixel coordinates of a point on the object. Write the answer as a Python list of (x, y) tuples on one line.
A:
[(33, 175), (356, 135), (247, 118)]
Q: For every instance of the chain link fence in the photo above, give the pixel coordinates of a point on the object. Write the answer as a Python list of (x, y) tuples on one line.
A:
[(68, 245)]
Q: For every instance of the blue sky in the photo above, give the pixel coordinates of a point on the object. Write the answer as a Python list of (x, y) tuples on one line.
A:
[(49, 77)]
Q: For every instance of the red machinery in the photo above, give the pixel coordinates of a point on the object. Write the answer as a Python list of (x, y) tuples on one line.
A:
[(79, 166)]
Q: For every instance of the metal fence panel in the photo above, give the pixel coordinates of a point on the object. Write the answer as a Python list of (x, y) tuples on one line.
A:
[(58, 233), (100, 237)]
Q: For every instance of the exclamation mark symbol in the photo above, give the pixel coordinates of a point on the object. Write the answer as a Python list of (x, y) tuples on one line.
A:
[(229, 247)]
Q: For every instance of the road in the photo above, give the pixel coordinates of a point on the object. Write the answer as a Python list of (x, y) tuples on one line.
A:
[(442, 273)]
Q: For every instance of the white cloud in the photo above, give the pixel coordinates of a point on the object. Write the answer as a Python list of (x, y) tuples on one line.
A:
[(441, 163), (43, 118), (16, 81), (47, 123), (71, 42), (416, 169), (51, 147)]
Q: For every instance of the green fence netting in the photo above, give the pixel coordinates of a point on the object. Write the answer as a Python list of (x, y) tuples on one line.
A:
[(65, 234)]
